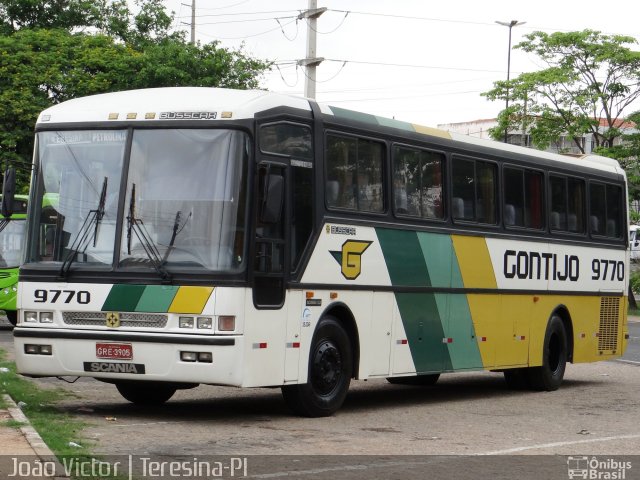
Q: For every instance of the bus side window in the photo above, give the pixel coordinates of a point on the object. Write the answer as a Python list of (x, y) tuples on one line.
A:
[(605, 214), (474, 194), (417, 182), (354, 174)]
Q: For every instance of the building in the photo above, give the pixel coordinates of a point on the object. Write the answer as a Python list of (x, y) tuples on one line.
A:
[(566, 144)]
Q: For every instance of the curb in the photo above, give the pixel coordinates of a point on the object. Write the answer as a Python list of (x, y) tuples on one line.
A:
[(41, 450)]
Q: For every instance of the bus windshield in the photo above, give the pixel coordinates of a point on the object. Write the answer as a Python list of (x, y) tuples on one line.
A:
[(11, 238), (183, 206)]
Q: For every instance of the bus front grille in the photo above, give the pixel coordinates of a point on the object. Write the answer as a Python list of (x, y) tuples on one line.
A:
[(127, 319), (608, 331)]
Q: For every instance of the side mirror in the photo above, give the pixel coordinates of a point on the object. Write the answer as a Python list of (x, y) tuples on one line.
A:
[(271, 210), (8, 192)]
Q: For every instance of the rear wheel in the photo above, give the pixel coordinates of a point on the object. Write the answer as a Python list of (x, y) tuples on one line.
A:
[(330, 371), (145, 393), (516, 378), (418, 380), (549, 375)]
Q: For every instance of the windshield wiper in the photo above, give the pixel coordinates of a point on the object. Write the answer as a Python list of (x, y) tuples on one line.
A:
[(3, 223), (83, 237), (136, 225), (176, 231)]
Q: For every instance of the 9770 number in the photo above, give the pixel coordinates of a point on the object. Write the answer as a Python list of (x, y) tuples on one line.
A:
[(82, 297), (602, 268)]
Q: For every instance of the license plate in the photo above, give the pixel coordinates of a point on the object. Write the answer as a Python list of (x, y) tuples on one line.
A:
[(118, 351)]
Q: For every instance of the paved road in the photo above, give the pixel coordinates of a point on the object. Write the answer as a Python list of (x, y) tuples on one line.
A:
[(385, 430)]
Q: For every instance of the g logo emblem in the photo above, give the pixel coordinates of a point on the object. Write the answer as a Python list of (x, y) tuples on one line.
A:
[(350, 258)]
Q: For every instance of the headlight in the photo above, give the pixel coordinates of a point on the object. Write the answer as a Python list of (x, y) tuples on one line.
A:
[(31, 317), (46, 317), (186, 322), (205, 323)]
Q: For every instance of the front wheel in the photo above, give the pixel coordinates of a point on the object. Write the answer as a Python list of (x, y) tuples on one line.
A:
[(12, 316), (330, 371), (145, 393), (548, 377)]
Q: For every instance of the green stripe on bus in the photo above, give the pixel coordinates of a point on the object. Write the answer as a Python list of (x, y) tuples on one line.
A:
[(421, 320), (404, 258), (156, 298), (437, 251), (123, 298), (420, 312)]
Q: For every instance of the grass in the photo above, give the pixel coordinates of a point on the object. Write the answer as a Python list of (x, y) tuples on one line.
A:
[(56, 427)]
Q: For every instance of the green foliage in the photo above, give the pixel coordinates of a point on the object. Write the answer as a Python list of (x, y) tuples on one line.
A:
[(589, 76), (47, 56), (634, 280), (627, 153), (56, 428)]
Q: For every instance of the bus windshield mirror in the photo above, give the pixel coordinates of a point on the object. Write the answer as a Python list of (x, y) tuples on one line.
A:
[(136, 226), (84, 236), (8, 192)]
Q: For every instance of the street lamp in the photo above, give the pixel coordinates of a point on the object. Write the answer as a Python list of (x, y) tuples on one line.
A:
[(511, 24)]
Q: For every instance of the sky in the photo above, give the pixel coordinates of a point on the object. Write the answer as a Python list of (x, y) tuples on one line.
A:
[(420, 61)]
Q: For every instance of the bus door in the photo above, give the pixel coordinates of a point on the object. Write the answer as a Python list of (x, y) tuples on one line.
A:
[(270, 259), (284, 167), (284, 209)]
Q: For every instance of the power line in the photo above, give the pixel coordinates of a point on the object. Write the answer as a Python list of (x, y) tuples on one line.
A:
[(271, 12), (246, 21), (403, 65)]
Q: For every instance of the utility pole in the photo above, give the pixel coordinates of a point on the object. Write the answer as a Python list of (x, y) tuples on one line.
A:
[(193, 22), (311, 61), (510, 25)]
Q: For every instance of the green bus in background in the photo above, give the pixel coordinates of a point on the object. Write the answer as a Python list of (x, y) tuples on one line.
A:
[(12, 233)]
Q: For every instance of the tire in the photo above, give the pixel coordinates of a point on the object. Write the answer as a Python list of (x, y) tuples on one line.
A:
[(548, 377), (417, 380), (330, 372), (145, 393), (12, 316), (517, 378)]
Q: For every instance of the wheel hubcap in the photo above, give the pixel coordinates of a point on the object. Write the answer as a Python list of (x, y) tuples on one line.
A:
[(327, 368)]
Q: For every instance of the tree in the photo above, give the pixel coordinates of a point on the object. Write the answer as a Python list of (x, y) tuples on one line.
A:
[(589, 76), (627, 153), (52, 51)]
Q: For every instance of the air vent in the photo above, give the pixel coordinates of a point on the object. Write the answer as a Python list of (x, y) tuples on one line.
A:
[(140, 320), (608, 332)]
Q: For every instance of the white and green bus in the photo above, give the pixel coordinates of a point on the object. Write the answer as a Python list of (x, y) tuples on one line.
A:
[(251, 239)]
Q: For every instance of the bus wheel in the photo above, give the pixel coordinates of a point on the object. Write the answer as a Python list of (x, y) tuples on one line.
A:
[(12, 316), (548, 377), (330, 371), (145, 393), (419, 380)]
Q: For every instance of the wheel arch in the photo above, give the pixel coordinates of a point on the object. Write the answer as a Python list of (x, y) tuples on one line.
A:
[(345, 317), (563, 312)]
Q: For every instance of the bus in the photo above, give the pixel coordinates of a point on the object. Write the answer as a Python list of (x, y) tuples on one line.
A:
[(634, 243), (12, 233), (252, 239)]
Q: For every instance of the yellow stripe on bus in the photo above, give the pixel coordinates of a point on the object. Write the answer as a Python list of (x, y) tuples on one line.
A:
[(190, 300), (474, 262)]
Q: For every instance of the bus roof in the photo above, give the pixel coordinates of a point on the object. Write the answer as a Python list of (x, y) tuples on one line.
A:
[(204, 103)]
